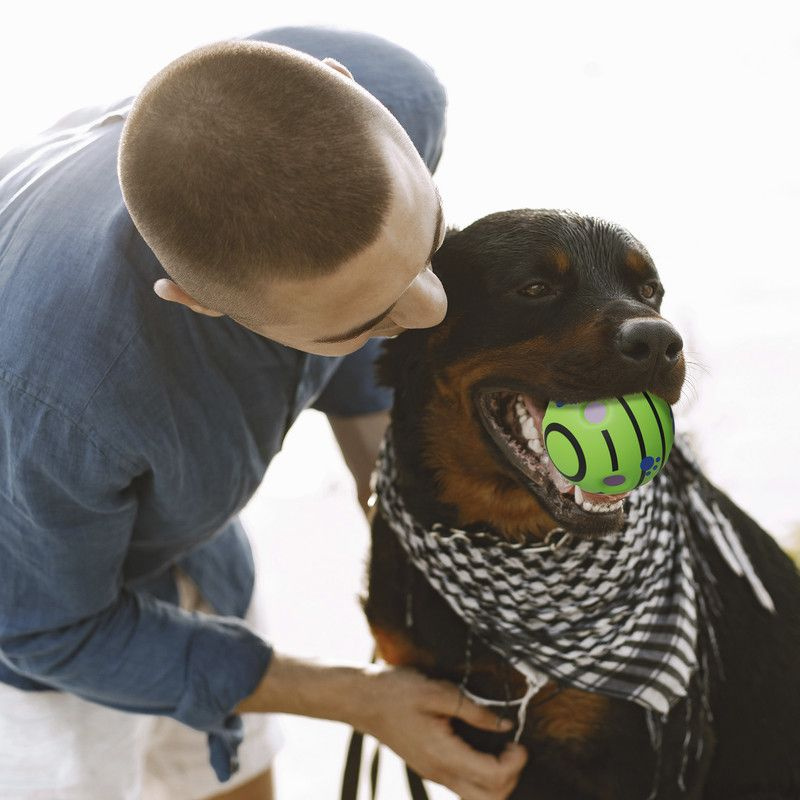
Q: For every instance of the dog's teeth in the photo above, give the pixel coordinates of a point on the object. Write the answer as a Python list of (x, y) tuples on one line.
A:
[(578, 495), (536, 446), (529, 429), (600, 508)]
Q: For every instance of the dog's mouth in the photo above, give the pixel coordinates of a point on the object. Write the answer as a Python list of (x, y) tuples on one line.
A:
[(513, 421)]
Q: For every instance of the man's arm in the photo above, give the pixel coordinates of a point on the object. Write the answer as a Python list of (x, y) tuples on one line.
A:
[(404, 710), (359, 439), (68, 507)]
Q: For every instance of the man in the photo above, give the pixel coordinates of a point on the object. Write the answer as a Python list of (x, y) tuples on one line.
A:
[(288, 217)]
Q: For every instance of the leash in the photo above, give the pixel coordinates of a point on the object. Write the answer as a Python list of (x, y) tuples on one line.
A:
[(352, 768), (352, 772)]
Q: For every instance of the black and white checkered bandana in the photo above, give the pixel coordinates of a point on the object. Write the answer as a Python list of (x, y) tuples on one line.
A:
[(616, 615)]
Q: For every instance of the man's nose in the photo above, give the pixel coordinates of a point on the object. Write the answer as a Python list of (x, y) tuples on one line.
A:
[(423, 304)]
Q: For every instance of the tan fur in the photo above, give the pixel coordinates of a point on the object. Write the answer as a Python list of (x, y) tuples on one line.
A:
[(469, 476), (395, 648), (570, 715), (635, 261), (561, 260)]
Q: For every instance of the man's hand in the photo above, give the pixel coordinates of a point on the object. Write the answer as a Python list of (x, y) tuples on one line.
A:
[(411, 714), (403, 709)]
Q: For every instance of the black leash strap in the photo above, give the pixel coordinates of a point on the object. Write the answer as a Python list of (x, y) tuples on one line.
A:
[(352, 772), (352, 766)]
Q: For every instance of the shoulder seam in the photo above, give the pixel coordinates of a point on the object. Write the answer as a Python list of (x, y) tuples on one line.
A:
[(110, 367), (18, 384)]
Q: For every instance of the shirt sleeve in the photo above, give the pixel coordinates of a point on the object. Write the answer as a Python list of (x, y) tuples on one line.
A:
[(353, 389), (67, 512)]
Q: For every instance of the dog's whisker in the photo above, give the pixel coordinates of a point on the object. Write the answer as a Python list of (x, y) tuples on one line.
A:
[(690, 398), (693, 362)]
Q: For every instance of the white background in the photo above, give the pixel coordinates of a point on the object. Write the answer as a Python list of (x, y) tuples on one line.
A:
[(678, 121)]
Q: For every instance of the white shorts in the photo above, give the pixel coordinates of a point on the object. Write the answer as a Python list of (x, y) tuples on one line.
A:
[(56, 746)]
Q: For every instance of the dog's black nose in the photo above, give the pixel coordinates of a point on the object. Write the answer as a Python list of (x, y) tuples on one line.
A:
[(651, 343)]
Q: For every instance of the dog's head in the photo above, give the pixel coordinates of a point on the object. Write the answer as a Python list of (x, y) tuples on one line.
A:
[(543, 305)]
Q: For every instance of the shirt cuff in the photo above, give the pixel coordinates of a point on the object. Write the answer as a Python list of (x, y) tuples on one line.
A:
[(227, 662)]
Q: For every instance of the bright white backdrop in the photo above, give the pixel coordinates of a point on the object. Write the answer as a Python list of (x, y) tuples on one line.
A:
[(678, 121)]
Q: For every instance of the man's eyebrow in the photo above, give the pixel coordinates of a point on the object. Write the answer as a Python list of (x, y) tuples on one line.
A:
[(359, 329)]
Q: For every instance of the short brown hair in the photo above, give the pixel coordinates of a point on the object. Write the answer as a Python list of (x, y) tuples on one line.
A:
[(243, 160)]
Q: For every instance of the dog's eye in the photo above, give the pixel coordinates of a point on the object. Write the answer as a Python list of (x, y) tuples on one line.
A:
[(648, 290), (537, 289)]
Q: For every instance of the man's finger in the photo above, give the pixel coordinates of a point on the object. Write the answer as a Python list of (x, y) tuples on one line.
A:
[(514, 757), (485, 771), (450, 702)]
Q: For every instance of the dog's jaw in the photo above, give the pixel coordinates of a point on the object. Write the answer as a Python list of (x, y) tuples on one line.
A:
[(513, 422), (473, 474)]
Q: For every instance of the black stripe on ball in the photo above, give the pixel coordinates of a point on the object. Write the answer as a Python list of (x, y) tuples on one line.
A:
[(612, 451), (639, 436), (660, 428), (559, 428)]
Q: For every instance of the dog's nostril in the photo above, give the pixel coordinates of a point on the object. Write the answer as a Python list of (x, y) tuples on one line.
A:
[(674, 348), (649, 342)]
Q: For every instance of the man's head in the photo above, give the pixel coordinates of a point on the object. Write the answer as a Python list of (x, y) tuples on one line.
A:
[(277, 191)]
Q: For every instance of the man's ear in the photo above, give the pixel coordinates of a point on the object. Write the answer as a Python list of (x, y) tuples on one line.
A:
[(339, 67), (169, 290)]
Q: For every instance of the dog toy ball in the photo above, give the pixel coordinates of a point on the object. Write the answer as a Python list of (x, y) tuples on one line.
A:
[(609, 446)]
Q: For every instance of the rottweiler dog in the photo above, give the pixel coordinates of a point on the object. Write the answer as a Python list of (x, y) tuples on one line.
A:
[(549, 305)]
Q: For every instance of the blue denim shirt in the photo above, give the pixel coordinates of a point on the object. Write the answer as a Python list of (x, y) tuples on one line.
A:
[(133, 430)]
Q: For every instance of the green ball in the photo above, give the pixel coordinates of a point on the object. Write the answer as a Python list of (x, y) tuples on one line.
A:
[(609, 446)]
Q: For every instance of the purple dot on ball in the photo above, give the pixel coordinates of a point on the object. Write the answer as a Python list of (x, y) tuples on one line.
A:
[(647, 462), (614, 480), (595, 412)]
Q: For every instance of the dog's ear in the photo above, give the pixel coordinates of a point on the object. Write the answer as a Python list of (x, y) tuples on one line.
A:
[(400, 358), (449, 233)]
